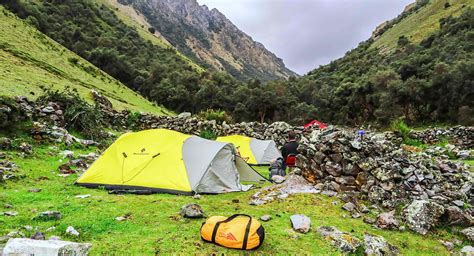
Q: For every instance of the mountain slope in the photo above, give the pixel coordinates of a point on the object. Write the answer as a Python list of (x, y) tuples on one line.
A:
[(424, 14), (426, 75), (135, 20), (208, 37), (30, 61)]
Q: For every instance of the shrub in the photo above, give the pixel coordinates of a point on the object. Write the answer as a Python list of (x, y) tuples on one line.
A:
[(10, 113), (219, 116), (80, 115), (208, 133), (401, 127), (73, 60)]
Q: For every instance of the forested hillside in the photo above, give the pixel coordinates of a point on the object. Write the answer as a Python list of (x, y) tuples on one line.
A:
[(429, 81)]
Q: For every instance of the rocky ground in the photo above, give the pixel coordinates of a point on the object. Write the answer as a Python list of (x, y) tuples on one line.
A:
[(375, 179)]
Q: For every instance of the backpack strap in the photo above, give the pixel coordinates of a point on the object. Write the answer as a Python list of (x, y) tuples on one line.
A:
[(246, 235)]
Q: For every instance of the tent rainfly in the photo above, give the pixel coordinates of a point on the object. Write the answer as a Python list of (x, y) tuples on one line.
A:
[(165, 161), (256, 152)]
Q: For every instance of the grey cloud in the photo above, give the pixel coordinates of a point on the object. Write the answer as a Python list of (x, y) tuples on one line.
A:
[(308, 33)]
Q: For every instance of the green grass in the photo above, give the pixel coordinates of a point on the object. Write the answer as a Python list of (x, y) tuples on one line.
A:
[(421, 24), (156, 227), (30, 61)]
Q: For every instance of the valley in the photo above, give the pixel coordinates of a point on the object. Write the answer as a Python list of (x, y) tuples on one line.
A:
[(390, 173)]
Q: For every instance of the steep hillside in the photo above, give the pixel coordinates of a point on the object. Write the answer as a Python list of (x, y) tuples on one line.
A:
[(425, 14), (208, 37), (30, 61), (425, 76), (136, 20)]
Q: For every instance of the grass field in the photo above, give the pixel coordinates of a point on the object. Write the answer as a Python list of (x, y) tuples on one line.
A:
[(30, 61), (156, 227), (426, 20)]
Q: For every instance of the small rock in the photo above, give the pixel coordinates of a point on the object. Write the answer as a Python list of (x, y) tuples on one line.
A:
[(67, 154), (34, 190), (349, 207), (265, 218), (387, 220), (448, 245), (369, 220), (8, 206), (300, 223), (364, 209), (343, 241), (192, 211), (278, 179), (124, 217), (458, 203), (356, 215), (197, 196), (467, 250), (71, 231), (378, 246), (469, 233), (24, 246), (83, 196), (10, 213), (329, 193), (49, 215), (38, 236)]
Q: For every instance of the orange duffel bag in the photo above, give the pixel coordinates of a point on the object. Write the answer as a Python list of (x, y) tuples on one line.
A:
[(239, 231)]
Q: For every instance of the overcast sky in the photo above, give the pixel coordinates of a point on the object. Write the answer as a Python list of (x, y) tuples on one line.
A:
[(308, 33)]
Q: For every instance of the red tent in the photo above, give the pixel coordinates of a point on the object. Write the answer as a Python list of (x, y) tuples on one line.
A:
[(315, 122)]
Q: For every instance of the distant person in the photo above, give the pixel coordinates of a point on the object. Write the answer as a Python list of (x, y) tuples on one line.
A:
[(290, 150)]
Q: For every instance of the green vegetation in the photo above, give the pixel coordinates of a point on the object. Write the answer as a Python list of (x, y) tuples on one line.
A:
[(420, 22), (81, 116), (208, 133), (31, 62), (429, 82), (426, 79), (155, 225), (219, 116)]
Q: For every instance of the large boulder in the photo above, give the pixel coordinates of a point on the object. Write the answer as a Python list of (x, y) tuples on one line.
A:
[(378, 246), (25, 246), (421, 215), (343, 241)]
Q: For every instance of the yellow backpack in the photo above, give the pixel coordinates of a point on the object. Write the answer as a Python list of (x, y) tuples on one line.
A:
[(239, 231)]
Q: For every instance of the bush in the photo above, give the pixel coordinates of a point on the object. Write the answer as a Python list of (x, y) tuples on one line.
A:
[(219, 116), (80, 115), (401, 127), (10, 113), (208, 133)]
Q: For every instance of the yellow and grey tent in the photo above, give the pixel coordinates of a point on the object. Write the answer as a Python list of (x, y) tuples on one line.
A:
[(166, 161), (255, 151)]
